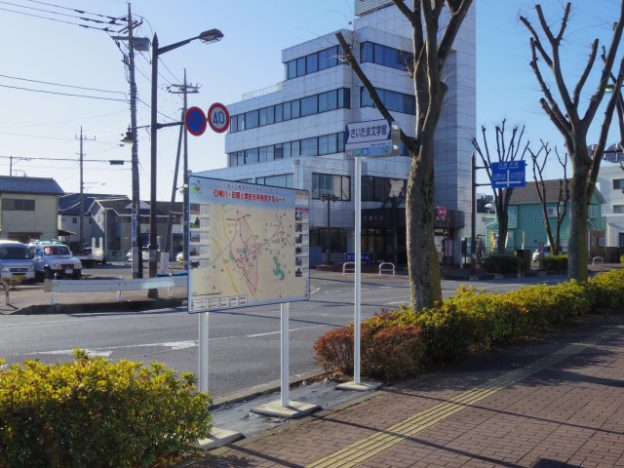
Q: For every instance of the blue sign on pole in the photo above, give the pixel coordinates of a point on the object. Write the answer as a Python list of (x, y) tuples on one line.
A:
[(508, 174), (195, 121)]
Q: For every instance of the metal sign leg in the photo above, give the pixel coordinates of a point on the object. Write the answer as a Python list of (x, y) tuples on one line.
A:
[(284, 356), (203, 352)]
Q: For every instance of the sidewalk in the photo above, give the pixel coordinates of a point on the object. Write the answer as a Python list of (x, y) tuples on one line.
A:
[(554, 402)]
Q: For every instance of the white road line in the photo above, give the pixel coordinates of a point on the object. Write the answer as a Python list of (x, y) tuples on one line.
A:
[(106, 351), (395, 302)]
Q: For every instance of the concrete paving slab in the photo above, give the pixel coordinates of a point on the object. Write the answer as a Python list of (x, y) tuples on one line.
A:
[(294, 410)]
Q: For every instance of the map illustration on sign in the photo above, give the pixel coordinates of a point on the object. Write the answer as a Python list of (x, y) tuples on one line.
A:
[(248, 244)]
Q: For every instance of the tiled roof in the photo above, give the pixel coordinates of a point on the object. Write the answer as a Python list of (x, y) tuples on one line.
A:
[(35, 185), (528, 193), (123, 206), (69, 204)]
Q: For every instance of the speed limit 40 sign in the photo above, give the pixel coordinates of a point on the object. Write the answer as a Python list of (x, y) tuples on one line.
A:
[(218, 117)]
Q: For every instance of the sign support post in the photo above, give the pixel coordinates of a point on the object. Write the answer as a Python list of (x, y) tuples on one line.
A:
[(374, 138), (203, 351), (357, 316), (284, 356)]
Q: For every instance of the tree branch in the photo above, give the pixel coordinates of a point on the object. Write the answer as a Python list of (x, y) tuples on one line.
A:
[(585, 75), (409, 143)]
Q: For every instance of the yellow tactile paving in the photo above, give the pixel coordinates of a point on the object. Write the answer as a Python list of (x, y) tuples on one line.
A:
[(369, 447)]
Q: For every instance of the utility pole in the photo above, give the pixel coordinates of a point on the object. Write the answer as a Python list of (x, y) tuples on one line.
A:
[(81, 236), (141, 44), (185, 89), (137, 252)]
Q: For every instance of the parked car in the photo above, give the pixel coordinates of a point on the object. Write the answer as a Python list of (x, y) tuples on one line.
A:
[(144, 255), (536, 254), (16, 264), (53, 259)]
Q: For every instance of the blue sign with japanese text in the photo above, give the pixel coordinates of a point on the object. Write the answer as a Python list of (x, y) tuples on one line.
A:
[(508, 174)]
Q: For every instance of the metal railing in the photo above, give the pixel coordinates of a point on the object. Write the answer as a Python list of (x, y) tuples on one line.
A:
[(111, 285), (387, 267)]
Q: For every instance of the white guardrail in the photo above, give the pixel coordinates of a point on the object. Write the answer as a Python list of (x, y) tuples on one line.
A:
[(111, 285), (348, 267)]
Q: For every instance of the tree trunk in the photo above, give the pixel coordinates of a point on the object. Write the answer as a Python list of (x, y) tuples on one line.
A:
[(422, 257), (577, 243), (502, 237)]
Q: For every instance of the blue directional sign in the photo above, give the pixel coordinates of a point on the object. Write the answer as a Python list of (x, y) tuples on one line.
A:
[(508, 174)]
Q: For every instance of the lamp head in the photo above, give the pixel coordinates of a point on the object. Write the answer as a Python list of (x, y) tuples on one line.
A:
[(212, 35)]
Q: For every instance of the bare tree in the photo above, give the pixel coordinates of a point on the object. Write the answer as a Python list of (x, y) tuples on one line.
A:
[(505, 151), (561, 207), (563, 111), (430, 55)]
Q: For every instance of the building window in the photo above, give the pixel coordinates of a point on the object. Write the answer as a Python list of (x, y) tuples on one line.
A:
[(309, 105), (315, 146), (618, 184), (386, 56), (376, 188), (281, 180), (18, 204), (619, 209), (398, 102), (312, 63), (592, 211), (74, 220), (331, 184)]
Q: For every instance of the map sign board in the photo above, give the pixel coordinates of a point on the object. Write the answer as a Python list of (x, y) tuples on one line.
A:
[(374, 138), (248, 244), (508, 174)]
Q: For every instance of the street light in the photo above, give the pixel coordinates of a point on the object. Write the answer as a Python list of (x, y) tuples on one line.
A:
[(211, 35)]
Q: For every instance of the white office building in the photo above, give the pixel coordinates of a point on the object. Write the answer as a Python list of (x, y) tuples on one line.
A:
[(611, 183), (293, 134)]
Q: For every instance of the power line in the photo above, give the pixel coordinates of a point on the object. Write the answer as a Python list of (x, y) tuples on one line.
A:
[(86, 26), (83, 18), (35, 158), (62, 85), (86, 96), (83, 12)]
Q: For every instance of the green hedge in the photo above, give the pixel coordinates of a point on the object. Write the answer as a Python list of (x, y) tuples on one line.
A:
[(470, 321), (622, 260), (555, 263), (505, 265), (92, 412)]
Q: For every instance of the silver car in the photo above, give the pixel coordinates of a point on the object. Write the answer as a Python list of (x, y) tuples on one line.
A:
[(15, 261), (54, 260)]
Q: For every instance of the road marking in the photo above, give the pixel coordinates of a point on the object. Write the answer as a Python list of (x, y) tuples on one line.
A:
[(371, 446), (395, 302), (277, 332)]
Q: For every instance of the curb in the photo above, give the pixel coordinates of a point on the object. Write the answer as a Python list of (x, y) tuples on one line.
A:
[(265, 389), (99, 307)]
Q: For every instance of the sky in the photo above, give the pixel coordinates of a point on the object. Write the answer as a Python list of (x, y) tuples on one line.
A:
[(42, 125)]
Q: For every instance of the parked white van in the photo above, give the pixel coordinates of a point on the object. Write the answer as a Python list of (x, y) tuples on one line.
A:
[(15, 261)]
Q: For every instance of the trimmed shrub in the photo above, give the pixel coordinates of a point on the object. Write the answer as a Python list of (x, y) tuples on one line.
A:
[(505, 265), (92, 412), (395, 344), (395, 353), (333, 351), (555, 263), (622, 260), (609, 289)]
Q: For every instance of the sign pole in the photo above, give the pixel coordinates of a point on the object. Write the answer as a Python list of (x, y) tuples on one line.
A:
[(284, 357), (203, 352), (358, 271)]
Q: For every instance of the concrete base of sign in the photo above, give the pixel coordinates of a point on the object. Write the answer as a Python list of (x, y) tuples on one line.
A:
[(295, 409), (218, 438), (359, 387)]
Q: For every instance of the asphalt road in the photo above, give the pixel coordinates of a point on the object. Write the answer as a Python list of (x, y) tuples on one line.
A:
[(244, 343)]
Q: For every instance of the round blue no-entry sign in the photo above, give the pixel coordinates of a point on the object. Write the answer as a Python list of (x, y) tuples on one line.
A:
[(195, 121)]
